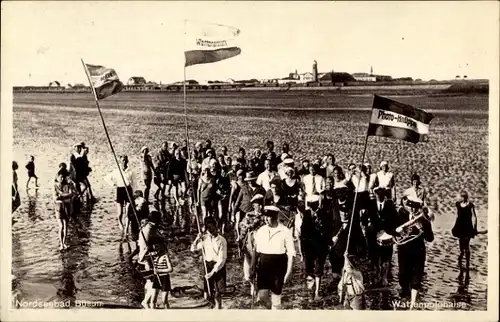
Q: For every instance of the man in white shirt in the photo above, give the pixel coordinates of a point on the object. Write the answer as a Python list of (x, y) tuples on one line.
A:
[(275, 249), (124, 191), (264, 179), (314, 185), (386, 180), (214, 249)]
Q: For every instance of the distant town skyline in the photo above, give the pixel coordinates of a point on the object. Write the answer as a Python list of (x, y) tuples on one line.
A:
[(44, 41)]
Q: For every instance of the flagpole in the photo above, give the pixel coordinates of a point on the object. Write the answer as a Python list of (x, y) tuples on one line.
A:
[(356, 192), (190, 160), (116, 158)]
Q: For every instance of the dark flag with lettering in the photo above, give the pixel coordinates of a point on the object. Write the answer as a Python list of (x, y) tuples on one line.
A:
[(210, 43), (104, 80), (399, 121)]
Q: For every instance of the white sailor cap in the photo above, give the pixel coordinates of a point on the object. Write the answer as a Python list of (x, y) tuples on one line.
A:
[(271, 210)]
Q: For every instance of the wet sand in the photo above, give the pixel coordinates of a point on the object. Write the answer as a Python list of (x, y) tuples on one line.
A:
[(95, 267)]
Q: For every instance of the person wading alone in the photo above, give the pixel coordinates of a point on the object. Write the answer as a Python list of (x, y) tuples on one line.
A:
[(465, 229)]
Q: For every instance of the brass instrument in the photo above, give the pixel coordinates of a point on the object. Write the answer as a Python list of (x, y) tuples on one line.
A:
[(412, 229)]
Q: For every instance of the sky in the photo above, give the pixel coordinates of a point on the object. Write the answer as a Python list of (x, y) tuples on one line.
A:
[(44, 41)]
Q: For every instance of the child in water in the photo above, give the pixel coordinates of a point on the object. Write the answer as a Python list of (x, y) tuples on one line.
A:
[(161, 281), (31, 171)]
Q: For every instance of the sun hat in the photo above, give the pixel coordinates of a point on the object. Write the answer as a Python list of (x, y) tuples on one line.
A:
[(250, 176), (257, 198), (288, 161), (284, 156)]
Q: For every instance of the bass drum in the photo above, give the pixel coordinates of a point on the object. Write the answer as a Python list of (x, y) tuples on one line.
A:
[(384, 239)]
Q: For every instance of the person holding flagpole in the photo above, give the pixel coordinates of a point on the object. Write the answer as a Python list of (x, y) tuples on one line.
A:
[(214, 247)]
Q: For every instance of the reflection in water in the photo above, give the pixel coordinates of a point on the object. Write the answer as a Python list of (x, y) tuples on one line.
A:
[(462, 294), (17, 273), (75, 258), (129, 276), (32, 201)]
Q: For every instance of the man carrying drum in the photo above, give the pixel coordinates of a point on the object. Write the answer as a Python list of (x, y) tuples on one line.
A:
[(384, 224)]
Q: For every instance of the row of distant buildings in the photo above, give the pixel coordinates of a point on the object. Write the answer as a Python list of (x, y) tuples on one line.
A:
[(312, 77)]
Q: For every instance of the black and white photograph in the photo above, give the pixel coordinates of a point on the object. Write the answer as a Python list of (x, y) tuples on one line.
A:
[(219, 160)]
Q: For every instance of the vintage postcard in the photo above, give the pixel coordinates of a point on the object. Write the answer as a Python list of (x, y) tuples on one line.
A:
[(295, 161)]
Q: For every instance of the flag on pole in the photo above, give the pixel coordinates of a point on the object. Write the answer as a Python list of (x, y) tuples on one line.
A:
[(399, 121), (104, 80), (209, 43)]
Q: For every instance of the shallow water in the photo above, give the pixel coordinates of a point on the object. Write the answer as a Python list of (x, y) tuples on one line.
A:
[(95, 267)]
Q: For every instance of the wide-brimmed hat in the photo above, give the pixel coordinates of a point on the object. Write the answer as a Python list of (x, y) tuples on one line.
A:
[(284, 156), (257, 198), (288, 161), (250, 176), (271, 210)]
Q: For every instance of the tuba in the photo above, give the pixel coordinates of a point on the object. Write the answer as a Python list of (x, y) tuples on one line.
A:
[(412, 229)]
